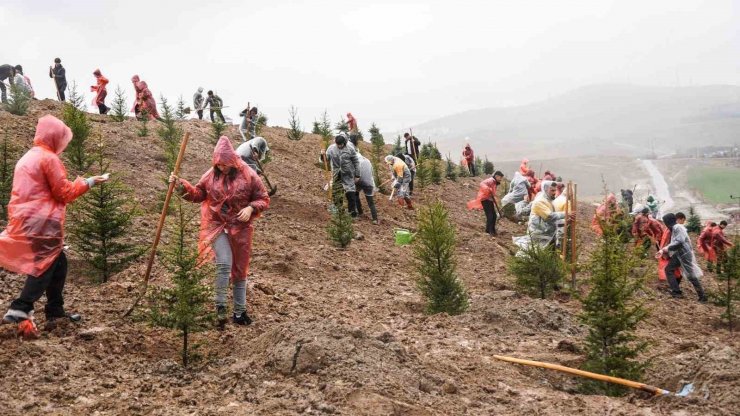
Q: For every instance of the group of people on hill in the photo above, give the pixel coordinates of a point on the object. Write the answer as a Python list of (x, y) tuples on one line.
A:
[(15, 77)]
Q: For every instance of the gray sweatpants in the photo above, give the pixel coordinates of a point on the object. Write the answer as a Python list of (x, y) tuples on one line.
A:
[(222, 249)]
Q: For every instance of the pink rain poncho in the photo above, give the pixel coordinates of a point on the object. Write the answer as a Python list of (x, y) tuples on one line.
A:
[(486, 191), (605, 212), (34, 236), (135, 80), (222, 197), (146, 101), (100, 91), (524, 167), (705, 243)]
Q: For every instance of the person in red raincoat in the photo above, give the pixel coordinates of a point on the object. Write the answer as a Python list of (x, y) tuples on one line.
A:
[(532, 179), (721, 244), (487, 200), (705, 245), (33, 241), (135, 108), (469, 157), (524, 167), (606, 212), (231, 195), (147, 104), (100, 92)]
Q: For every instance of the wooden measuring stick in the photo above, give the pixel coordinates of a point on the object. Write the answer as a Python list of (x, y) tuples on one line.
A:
[(160, 225), (573, 255), (564, 243)]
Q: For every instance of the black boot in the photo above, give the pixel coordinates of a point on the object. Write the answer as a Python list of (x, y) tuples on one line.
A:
[(242, 319)]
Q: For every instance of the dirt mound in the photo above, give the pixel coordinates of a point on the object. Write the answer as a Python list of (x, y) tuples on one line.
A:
[(338, 331)]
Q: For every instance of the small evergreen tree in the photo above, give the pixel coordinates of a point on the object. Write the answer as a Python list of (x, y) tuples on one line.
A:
[(423, 173), (376, 139), (103, 222), (323, 128), (434, 250), (693, 223), (143, 129), (430, 151), (478, 166), (7, 165), (217, 130), (295, 132), (181, 111), (538, 270), (170, 133), (397, 148), (184, 306), (612, 314), (728, 292), (261, 123), (450, 170), (316, 128), (378, 143), (488, 167), (119, 109), (19, 101), (342, 126), (435, 171), (74, 116), (340, 228)]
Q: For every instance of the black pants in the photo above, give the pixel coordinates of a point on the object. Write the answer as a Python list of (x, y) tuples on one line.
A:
[(200, 114), (221, 116), (471, 168), (670, 268), (370, 203), (51, 283), (411, 184), (3, 93), (103, 108), (60, 91), (490, 210), (351, 203)]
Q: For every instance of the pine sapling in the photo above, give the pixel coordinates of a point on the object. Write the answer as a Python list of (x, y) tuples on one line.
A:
[(261, 123), (693, 223), (728, 293), (435, 171), (342, 126), (18, 101), (8, 157), (423, 173), (463, 169), (340, 228), (170, 133), (143, 129), (181, 112), (119, 109), (538, 270), (612, 313), (74, 116), (478, 166), (185, 304), (450, 169), (488, 167), (397, 148), (434, 250), (218, 129), (295, 132)]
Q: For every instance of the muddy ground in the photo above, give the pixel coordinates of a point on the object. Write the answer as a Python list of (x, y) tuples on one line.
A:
[(341, 331)]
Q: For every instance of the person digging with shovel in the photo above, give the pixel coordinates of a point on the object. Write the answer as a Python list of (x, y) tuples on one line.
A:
[(253, 152), (232, 196), (401, 180), (33, 241), (488, 201)]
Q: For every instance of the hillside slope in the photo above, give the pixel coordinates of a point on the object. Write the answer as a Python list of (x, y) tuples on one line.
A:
[(339, 331), (600, 119)]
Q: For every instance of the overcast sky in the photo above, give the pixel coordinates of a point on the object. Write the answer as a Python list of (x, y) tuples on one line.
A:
[(397, 63)]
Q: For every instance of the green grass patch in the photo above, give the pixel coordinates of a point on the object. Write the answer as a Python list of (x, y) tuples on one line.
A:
[(716, 184)]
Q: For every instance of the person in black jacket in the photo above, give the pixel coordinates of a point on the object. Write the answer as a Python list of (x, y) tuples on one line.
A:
[(6, 72), (412, 150), (60, 77)]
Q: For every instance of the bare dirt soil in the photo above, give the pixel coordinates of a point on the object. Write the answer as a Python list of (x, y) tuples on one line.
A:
[(341, 331)]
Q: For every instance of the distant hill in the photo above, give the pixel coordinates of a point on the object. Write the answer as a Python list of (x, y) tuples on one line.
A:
[(614, 118)]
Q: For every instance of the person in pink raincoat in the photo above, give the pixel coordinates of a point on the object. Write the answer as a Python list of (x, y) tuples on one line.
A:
[(231, 195), (147, 104), (100, 92), (32, 243), (135, 108)]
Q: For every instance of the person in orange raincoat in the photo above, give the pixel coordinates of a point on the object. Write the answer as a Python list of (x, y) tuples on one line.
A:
[(663, 260), (605, 212), (33, 241), (487, 200), (147, 104), (135, 108), (232, 196), (705, 245), (721, 244), (524, 167), (100, 92)]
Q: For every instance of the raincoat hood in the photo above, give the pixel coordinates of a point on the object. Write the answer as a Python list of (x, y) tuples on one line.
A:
[(135, 79), (52, 133), (525, 161), (200, 90), (650, 198), (97, 73), (546, 185), (224, 153), (389, 159)]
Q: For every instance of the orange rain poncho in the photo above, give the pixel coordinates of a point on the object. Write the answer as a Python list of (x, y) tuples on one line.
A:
[(524, 167), (222, 197), (135, 80), (665, 240), (100, 91), (34, 237), (705, 243), (605, 212), (146, 101), (351, 122), (487, 191)]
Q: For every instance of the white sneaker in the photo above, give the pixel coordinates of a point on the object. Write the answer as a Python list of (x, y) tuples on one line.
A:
[(14, 316)]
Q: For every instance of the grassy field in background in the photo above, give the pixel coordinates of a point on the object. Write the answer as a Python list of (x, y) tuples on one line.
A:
[(716, 184)]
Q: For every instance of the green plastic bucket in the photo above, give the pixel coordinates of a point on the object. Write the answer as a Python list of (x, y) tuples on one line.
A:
[(403, 237)]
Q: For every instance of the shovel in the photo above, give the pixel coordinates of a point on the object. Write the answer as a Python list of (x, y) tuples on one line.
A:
[(273, 189)]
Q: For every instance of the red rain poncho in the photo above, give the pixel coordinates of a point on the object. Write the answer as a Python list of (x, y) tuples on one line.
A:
[(351, 122), (664, 259), (605, 212), (34, 236), (135, 80), (468, 154), (146, 101), (719, 241), (524, 167), (705, 243), (99, 89), (221, 201), (487, 191)]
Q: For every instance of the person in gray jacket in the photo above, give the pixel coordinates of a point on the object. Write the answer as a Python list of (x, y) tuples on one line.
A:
[(198, 101), (6, 72), (345, 167), (681, 255), (253, 150), (367, 186)]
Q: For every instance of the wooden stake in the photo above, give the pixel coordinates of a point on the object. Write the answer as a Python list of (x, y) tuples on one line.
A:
[(615, 380), (160, 225), (573, 252), (564, 242), (413, 145)]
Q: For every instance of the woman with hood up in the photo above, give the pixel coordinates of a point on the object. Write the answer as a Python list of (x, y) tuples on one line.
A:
[(135, 108), (100, 92), (147, 104), (232, 196)]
